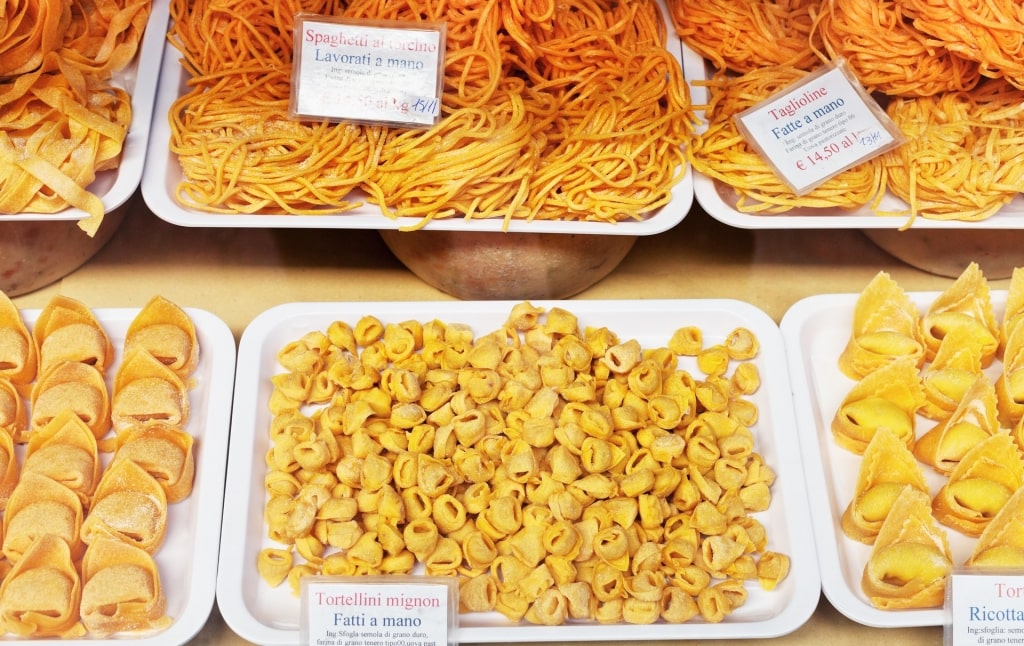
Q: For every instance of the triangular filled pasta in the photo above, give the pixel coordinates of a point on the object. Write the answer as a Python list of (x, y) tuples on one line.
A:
[(980, 485), (951, 373), (974, 419), (890, 397), (910, 559), (885, 328), (967, 302), (13, 416), (1001, 545), (886, 468)]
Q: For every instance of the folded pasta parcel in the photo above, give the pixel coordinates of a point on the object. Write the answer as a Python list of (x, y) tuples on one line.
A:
[(67, 330), (974, 419), (71, 386), (1010, 381), (19, 354), (121, 589), (148, 392), (40, 505), (888, 397), (967, 302), (885, 328), (40, 596), (167, 332), (911, 558), (65, 451), (1002, 543), (980, 485), (886, 468), (951, 373), (166, 452), (129, 505)]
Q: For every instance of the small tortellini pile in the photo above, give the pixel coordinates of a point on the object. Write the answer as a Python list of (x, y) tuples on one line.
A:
[(562, 474)]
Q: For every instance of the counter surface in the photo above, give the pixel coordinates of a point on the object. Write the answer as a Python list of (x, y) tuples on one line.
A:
[(238, 273)]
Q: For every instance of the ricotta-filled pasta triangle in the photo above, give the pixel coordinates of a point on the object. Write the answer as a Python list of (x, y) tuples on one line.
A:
[(910, 559), (980, 485), (885, 328), (67, 330), (967, 302), (887, 397), (974, 419), (40, 596), (886, 468), (1001, 544), (166, 331), (19, 355), (951, 373)]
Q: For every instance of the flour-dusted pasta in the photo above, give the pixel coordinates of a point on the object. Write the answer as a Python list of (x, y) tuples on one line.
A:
[(560, 474)]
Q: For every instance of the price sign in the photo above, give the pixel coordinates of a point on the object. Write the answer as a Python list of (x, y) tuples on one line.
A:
[(985, 607), (382, 72), (817, 128), (378, 611)]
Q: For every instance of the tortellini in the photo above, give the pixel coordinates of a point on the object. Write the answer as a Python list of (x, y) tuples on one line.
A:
[(559, 473)]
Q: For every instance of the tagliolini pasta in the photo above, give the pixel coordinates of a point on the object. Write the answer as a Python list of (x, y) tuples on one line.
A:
[(560, 473)]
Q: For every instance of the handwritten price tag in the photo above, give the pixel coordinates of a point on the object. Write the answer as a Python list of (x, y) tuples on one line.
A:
[(818, 128), (367, 71)]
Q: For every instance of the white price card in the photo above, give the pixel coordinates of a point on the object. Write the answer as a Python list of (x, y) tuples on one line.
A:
[(985, 607), (818, 127), (378, 611), (379, 72)]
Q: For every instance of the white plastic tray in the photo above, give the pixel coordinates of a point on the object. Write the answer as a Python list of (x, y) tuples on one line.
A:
[(163, 174), (815, 330), (114, 187), (187, 560), (719, 200), (270, 616)]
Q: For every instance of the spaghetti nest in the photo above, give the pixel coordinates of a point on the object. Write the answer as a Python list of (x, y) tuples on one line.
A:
[(570, 111), (990, 32), (722, 153), (964, 155), (744, 36), (62, 120), (887, 53)]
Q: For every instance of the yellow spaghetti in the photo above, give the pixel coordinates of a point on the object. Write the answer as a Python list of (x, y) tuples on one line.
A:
[(571, 111)]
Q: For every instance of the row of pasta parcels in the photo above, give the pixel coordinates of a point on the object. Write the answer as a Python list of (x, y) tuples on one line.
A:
[(559, 474), (941, 72), (933, 365), (81, 528)]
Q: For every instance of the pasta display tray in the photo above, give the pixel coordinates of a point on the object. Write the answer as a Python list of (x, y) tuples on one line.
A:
[(115, 187), (187, 559), (719, 200), (816, 329), (270, 615), (163, 175)]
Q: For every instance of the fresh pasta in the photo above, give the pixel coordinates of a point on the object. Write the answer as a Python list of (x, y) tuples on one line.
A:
[(605, 491), (574, 112), (744, 36), (887, 53), (721, 152)]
